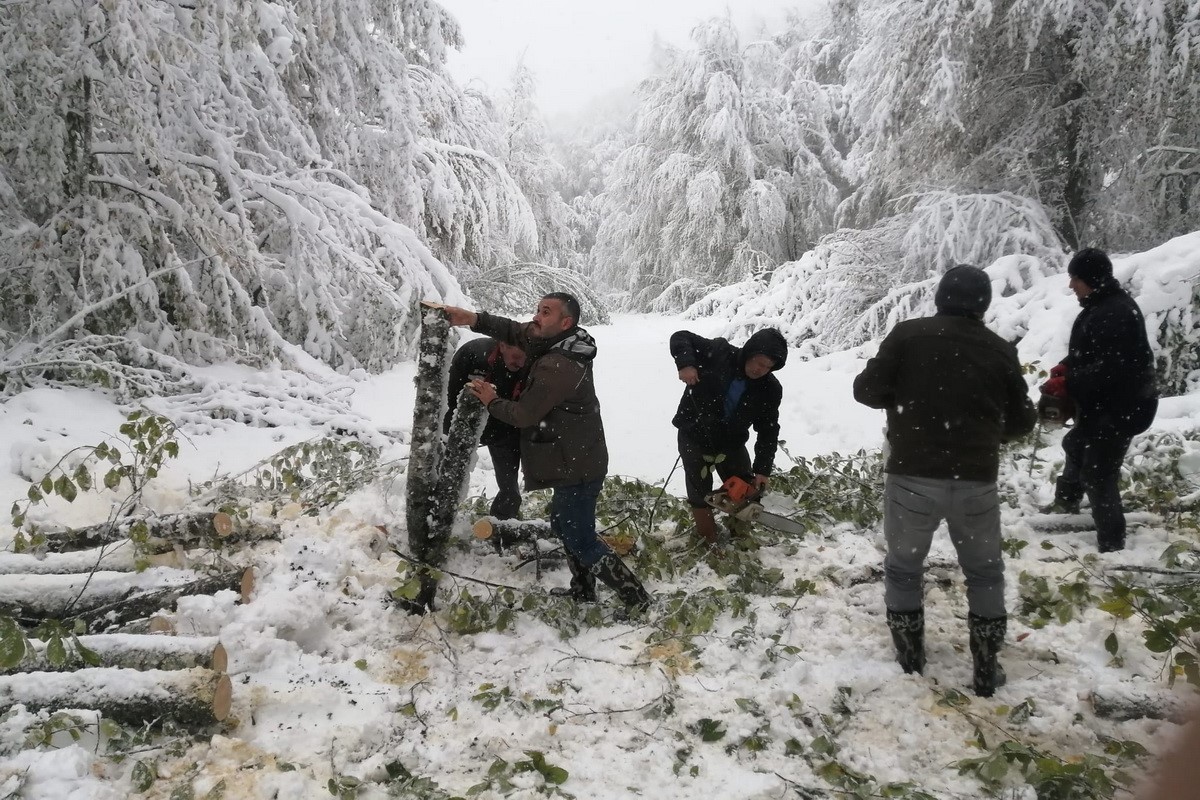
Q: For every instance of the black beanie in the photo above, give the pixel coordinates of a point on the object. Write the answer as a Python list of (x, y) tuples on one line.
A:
[(964, 290), (1091, 266)]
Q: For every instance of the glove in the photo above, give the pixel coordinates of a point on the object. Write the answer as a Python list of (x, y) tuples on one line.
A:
[(1055, 387), (1058, 371)]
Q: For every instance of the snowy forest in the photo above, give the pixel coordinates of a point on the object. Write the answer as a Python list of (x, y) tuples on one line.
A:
[(218, 217)]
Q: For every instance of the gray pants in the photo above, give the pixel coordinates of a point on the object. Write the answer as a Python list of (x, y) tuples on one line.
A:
[(912, 510)]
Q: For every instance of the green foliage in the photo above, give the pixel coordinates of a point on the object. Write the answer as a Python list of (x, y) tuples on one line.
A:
[(13, 643), (149, 441), (1040, 603), (500, 773), (710, 464), (1156, 481), (1171, 615), (834, 488)]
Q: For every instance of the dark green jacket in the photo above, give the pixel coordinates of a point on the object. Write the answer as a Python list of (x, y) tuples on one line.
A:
[(953, 391), (562, 435)]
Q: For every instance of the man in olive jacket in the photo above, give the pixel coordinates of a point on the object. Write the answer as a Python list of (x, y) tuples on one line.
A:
[(1109, 374), (562, 435), (729, 390), (953, 391)]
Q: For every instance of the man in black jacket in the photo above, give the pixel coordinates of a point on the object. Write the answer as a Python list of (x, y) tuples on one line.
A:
[(729, 390), (1109, 374), (953, 391), (503, 366)]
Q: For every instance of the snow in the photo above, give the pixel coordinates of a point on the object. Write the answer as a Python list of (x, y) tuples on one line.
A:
[(332, 680)]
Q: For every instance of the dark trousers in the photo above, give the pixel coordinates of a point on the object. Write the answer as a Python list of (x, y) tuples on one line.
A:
[(735, 461), (506, 459), (1094, 454), (573, 518)]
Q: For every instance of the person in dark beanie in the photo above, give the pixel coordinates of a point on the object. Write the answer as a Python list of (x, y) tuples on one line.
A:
[(1109, 375), (953, 391), (729, 390), (503, 366), (562, 436)]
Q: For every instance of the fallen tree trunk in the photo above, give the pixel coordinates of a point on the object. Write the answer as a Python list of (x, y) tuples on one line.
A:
[(106, 599), (192, 698), (118, 557), (164, 532), (131, 651), (1124, 703)]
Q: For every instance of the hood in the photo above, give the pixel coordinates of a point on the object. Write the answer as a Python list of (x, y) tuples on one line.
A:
[(576, 344), (769, 342)]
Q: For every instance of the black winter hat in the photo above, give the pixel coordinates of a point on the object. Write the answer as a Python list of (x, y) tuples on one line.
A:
[(964, 289), (769, 342), (1092, 266)]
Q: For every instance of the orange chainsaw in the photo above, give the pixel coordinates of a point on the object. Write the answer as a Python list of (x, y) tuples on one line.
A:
[(738, 499)]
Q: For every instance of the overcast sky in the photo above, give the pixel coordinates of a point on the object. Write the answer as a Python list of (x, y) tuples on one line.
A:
[(580, 50)]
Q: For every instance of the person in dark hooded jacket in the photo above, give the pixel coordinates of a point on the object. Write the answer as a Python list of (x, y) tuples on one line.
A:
[(1109, 374), (729, 390), (953, 391), (562, 436)]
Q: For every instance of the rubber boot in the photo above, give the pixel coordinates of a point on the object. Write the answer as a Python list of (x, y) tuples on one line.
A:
[(583, 584), (706, 526), (908, 634), (613, 573), (987, 637)]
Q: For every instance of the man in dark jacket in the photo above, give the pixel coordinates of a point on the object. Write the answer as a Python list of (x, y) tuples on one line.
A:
[(502, 365), (1109, 374), (953, 392), (562, 435), (729, 390)]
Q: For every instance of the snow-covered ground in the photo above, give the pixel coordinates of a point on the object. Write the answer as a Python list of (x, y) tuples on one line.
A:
[(333, 681)]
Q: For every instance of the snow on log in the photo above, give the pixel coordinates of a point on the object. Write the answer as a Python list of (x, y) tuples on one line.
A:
[(164, 532), (1122, 702), (504, 532), (131, 651), (425, 450), (193, 698), (119, 557), (106, 599)]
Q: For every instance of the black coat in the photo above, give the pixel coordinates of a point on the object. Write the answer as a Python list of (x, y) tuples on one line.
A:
[(481, 358), (701, 413), (1110, 367), (953, 391)]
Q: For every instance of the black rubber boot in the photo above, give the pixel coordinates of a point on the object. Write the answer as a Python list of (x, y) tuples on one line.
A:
[(612, 572), (908, 634), (987, 637), (583, 583)]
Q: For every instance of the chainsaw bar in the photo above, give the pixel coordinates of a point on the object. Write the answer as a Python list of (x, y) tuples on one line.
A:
[(752, 511)]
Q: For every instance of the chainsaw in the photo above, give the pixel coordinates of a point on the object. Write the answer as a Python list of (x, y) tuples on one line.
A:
[(738, 499)]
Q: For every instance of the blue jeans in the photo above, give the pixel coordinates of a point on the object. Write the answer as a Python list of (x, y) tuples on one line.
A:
[(573, 518)]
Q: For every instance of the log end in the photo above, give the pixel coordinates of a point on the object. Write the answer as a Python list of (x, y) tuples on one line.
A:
[(161, 625), (222, 524), (247, 585), (222, 698), (483, 529), (219, 660)]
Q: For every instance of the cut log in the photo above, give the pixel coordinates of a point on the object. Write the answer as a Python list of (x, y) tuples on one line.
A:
[(164, 532), (193, 698), (146, 651), (425, 450), (1122, 703), (1080, 523), (105, 599), (504, 532)]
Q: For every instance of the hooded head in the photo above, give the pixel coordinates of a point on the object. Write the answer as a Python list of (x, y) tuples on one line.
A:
[(767, 342), (1092, 266), (964, 290)]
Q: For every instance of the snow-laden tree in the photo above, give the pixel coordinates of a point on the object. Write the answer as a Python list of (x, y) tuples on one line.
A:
[(224, 180), (706, 192), (1088, 107)]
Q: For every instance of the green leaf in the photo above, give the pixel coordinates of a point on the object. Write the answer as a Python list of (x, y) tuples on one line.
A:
[(83, 477), (144, 775), (34, 494), (89, 656), (710, 730), (65, 488), (171, 449), (1110, 643), (47, 484), (361, 664), (56, 651), (12, 643), (112, 478)]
